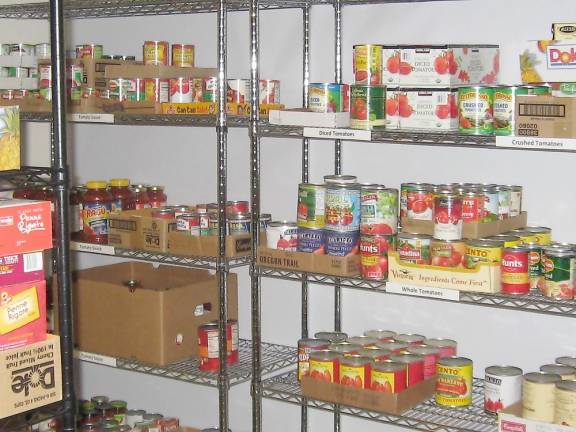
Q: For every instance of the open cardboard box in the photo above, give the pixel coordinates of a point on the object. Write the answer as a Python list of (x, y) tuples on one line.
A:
[(93, 104), (185, 245), (347, 266), (511, 420), (485, 278), (470, 230), (389, 403)]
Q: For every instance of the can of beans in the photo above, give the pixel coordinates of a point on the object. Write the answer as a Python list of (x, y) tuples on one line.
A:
[(491, 204), (558, 271), (565, 372), (269, 92), (565, 403), (543, 234), (389, 377), (375, 354), (188, 223), (238, 90), (454, 382), (367, 62), (345, 348), (447, 253), (355, 371), (447, 347), (378, 210), (311, 240), (329, 97), (156, 52), (472, 206), (430, 354), (514, 270), (182, 55), (374, 255), (447, 216), (311, 198), (502, 387), (305, 347), (534, 265), (414, 248), (208, 347), (489, 251), (325, 366), (157, 90), (410, 338), (367, 106), (282, 235), (239, 223), (363, 341), (515, 200), (381, 335), (539, 395), (395, 347), (475, 107), (415, 367), (333, 337), (180, 90)]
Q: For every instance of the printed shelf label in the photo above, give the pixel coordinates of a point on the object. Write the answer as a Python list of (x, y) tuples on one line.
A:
[(92, 118), (536, 143), (421, 291), (95, 358), (342, 134), (92, 248)]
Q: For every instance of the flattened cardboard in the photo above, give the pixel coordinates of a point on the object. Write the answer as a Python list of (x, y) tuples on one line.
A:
[(18, 393), (156, 322), (470, 230), (389, 403), (151, 71), (510, 420), (545, 116)]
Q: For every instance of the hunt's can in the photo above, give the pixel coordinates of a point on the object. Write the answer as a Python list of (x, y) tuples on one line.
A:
[(367, 106), (454, 382), (490, 211), (503, 202), (333, 337), (342, 207), (565, 403), (447, 347), (502, 387), (311, 205), (282, 235), (414, 365), (389, 377), (515, 200), (543, 234), (189, 223), (305, 347), (182, 55), (329, 97), (505, 105), (269, 92), (558, 270), (565, 372), (157, 90), (355, 371), (156, 52), (417, 201), (374, 255), (368, 64), (312, 240), (447, 216), (180, 90), (341, 243), (489, 251), (325, 366), (538, 396), (238, 90), (381, 335), (534, 264), (239, 223), (472, 206), (514, 270), (378, 210), (431, 356), (447, 253), (475, 108), (414, 248)]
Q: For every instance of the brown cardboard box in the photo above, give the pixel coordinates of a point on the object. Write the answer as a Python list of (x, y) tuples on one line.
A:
[(137, 229), (510, 420), (156, 321), (19, 394), (185, 245), (389, 403), (123, 230), (545, 116), (151, 71)]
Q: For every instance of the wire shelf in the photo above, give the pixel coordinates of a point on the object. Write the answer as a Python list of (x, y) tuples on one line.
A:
[(12, 179), (20, 421), (274, 358), (532, 302), (428, 416)]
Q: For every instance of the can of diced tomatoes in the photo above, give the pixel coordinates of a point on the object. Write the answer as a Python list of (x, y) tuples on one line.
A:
[(477, 251), (305, 347), (367, 106), (269, 92), (454, 382), (374, 255), (156, 52), (325, 366), (447, 347), (431, 356), (514, 270), (182, 55), (472, 206), (355, 371), (367, 62), (312, 240), (157, 90), (389, 377), (232, 341), (329, 97), (381, 335), (378, 210), (447, 253), (311, 205), (414, 248), (180, 90), (502, 387), (415, 367)]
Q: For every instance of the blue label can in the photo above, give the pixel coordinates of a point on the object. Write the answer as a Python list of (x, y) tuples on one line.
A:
[(342, 243), (311, 240)]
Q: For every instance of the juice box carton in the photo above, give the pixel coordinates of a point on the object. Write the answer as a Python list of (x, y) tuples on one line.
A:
[(9, 138), (548, 60)]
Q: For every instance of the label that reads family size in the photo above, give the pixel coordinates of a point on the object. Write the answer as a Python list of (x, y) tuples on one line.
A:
[(95, 358), (536, 143), (342, 134), (92, 118), (421, 291), (93, 248)]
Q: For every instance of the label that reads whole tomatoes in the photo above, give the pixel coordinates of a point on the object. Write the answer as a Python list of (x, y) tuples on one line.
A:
[(454, 385)]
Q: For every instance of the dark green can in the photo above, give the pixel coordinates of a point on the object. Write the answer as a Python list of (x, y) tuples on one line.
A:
[(558, 270), (367, 106)]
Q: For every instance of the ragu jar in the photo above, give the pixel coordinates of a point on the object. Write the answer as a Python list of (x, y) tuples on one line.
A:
[(46, 193), (76, 204), (140, 200), (157, 196), (24, 192), (122, 196), (96, 212)]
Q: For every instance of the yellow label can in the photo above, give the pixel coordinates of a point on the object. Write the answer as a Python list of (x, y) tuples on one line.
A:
[(454, 382)]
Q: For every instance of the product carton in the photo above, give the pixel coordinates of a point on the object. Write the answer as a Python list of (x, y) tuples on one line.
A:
[(22, 314), (426, 108), (545, 117), (548, 60), (9, 138), (25, 226), (510, 420), (30, 377), (137, 229), (135, 311), (303, 117), (184, 245), (564, 31), (130, 71), (389, 403), (21, 268)]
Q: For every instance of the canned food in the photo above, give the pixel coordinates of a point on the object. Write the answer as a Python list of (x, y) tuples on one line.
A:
[(196, 87), (375, 354), (565, 403), (414, 248), (567, 361), (503, 202), (355, 371), (311, 240), (378, 210), (363, 341), (41, 50), (155, 53), (328, 97), (514, 270), (180, 90), (543, 234), (410, 338), (538, 396), (508, 240), (489, 251), (515, 200), (238, 90), (419, 201), (20, 49), (232, 342), (340, 179), (333, 337), (305, 347), (93, 51), (368, 64), (345, 348), (367, 106), (565, 372), (491, 204), (239, 223), (472, 206), (325, 366), (341, 243), (454, 382), (381, 335), (311, 199), (502, 387), (208, 347), (265, 219), (558, 270), (209, 89), (269, 92), (475, 107), (534, 265), (414, 365), (404, 191), (237, 206), (157, 90), (342, 207), (188, 223), (430, 354), (282, 235), (525, 236), (447, 347), (182, 55), (395, 347), (163, 213), (447, 216), (374, 255), (505, 105), (447, 253), (389, 377)]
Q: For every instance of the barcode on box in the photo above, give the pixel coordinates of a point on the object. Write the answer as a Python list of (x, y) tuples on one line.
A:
[(33, 262), (442, 98), (542, 110)]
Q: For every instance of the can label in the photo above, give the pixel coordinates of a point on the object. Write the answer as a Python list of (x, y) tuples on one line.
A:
[(304, 358), (374, 255), (269, 92), (491, 206), (515, 279), (311, 206), (155, 53), (535, 269), (515, 203), (416, 251), (283, 237), (558, 276), (311, 240), (95, 217), (501, 392), (476, 254), (342, 243), (324, 370), (432, 109), (368, 64), (209, 89), (367, 106), (472, 208), (328, 97), (389, 382), (475, 106), (342, 209), (538, 401), (182, 55), (238, 226), (188, 224), (448, 218), (379, 211), (156, 90), (238, 90), (180, 90), (454, 385), (565, 407), (447, 254), (503, 204), (419, 204), (504, 110), (355, 376)]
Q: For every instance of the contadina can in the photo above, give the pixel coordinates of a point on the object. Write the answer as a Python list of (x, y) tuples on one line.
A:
[(489, 251), (367, 106), (378, 210), (368, 64), (514, 270), (311, 205), (447, 216), (454, 382), (565, 403), (305, 347), (475, 108), (502, 387), (557, 266), (282, 235), (329, 97), (538, 396), (414, 248)]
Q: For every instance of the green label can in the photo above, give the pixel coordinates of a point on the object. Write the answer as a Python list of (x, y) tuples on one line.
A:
[(367, 106), (534, 264), (558, 270), (475, 108), (311, 198), (505, 105)]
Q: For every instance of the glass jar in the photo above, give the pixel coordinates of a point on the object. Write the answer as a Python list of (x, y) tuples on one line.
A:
[(97, 203)]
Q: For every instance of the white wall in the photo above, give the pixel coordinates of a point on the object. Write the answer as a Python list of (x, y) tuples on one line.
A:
[(184, 160)]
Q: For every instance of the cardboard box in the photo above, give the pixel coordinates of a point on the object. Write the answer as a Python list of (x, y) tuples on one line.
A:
[(21, 268), (210, 108), (185, 245), (303, 117), (564, 31), (25, 226), (545, 116), (151, 71), (18, 61), (470, 230), (29, 104), (22, 314), (9, 138), (548, 60), (485, 278), (135, 311), (137, 229), (19, 392), (389, 403), (510, 420)]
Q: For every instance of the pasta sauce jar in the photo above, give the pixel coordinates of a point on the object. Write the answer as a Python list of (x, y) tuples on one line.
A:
[(96, 212)]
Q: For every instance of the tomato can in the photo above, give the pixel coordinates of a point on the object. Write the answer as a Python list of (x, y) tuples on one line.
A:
[(21, 49), (311, 205), (232, 341), (410, 338), (333, 337), (503, 202), (415, 367), (188, 223), (237, 206), (182, 55), (197, 88), (515, 200), (156, 89), (265, 219), (368, 64), (475, 108), (93, 51), (419, 201), (447, 347), (393, 346), (539, 395), (534, 264), (238, 90), (363, 341), (374, 255), (502, 387), (472, 206), (312, 240), (430, 354), (345, 348), (491, 204), (342, 207), (239, 223), (180, 90), (454, 382), (355, 371), (447, 216), (282, 235), (389, 377), (40, 50), (447, 253), (329, 97), (566, 360), (565, 403), (489, 251), (565, 372), (325, 366), (543, 234), (269, 92), (305, 347), (378, 210), (507, 239), (208, 347), (162, 213), (340, 179), (514, 270), (405, 189), (414, 248), (375, 354), (367, 106), (209, 89), (156, 52), (558, 271), (381, 335)]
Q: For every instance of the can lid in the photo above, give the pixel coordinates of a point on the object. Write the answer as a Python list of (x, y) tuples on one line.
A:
[(542, 377), (156, 188), (558, 369), (96, 184), (503, 370), (119, 182), (569, 385), (287, 224)]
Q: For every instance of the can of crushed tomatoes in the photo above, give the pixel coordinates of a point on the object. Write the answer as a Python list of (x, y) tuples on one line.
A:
[(389, 377), (514, 270), (305, 347), (454, 382), (374, 255), (415, 367)]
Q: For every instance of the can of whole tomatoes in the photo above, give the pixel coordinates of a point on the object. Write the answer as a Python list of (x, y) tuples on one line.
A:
[(269, 92), (502, 387), (454, 382), (311, 198), (282, 235), (367, 106), (182, 55), (389, 377), (558, 269), (489, 251), (325, 366), (232, 344), (506, 239), (447, 347), (376, 354), (381, 335), (475, 108), (342, 207), (414, 365), (447, 216), (329, 97), (491, 204), (345, 348), (393, 346), (305, 347), (514, 270), (312, 240), (534, 264), (414, 248), (565, 372), (419, 200), (156, 52), (333, 337), (363, 341), (430, 354), (374, 255), (378, 210), (515, 200), (539, 396), (472, 206), (447, 253), (180, 90), (367, 62), (543, 234), (238, 90), (565, 403), (355, 371), (208, 347)]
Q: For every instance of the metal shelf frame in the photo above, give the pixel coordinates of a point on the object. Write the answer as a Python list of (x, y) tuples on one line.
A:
[(14, 179)]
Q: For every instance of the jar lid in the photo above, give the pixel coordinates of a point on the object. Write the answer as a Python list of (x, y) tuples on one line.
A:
[(96, 184), (119, 182)]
